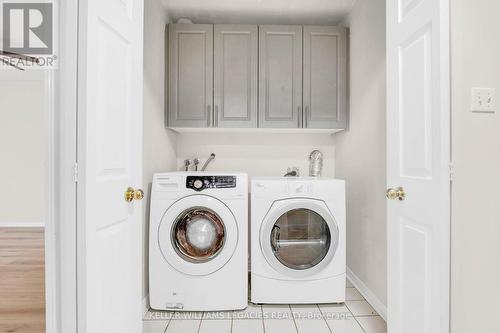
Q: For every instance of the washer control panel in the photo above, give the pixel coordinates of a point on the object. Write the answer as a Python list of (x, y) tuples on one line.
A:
[(200, 183)]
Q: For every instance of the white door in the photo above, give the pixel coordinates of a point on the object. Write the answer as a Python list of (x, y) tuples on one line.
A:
[(418, 149), (110, 159)]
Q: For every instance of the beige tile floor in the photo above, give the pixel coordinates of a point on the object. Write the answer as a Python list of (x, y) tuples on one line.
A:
[(355, 316)]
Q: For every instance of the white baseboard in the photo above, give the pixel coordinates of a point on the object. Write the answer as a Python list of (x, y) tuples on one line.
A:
[(32, 224), (367, 294), (145, 305)]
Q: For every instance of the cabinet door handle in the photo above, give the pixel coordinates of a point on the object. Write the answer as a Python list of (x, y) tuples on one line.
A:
[(299, 117), (208, 116)]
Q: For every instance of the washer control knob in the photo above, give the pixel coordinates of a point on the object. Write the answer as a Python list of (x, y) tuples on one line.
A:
[(198, 184)]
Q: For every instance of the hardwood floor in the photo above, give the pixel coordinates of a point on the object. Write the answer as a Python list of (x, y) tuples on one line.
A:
[(22, 280)]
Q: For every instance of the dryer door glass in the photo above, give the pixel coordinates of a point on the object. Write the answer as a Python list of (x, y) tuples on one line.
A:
[(198, 234), (300, 239)]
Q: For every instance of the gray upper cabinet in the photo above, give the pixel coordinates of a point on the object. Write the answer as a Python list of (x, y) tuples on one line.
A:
[(249, 76), (324, 92), (190, 73), (235, 75), (280, 76)]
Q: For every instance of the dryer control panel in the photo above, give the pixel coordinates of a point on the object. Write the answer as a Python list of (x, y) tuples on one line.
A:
[(200, 183)]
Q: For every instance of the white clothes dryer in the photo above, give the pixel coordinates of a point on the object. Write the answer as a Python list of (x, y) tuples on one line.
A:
[(298, 241), (198, 252)]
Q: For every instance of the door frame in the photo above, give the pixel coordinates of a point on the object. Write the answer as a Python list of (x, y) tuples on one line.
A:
[(61, 242), (48, 223), (61, 228)]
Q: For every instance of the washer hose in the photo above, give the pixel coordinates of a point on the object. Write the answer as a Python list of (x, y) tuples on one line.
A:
[(207, 162)]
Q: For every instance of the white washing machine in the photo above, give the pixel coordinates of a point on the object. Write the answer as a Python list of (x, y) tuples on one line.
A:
[(198, 253), (298, 241)]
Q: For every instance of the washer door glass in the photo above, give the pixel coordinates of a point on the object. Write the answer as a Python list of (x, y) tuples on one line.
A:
[(300, 239), (198, 234)]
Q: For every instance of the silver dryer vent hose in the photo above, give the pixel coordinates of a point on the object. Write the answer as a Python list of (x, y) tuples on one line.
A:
[(315, 163)]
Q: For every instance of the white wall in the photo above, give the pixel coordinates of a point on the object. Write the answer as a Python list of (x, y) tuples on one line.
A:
[(361, 151), (320, 12), (159, 144), (22, 147), (475, 268), (262, 154)]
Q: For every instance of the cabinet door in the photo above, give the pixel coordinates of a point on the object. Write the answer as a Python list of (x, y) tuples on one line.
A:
[(325, 77), (235, 75), (190, 84), (280, 76)]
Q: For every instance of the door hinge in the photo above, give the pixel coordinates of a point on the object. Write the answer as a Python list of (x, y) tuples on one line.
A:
[(452, 171), (75, 172)]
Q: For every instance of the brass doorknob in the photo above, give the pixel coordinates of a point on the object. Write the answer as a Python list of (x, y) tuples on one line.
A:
[(396, 193), (131, 194)]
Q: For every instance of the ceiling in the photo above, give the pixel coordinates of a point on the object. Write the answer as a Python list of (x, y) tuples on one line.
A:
[(259, 11)]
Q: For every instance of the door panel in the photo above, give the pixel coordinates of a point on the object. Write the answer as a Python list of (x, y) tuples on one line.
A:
[(190, 82), (415, 110), (415, 277), (235, 71), (325, 77), (110, 157), (418, 152), (280, 76)]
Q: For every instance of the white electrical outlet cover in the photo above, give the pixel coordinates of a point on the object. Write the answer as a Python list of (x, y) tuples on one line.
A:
[(483, 100)]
